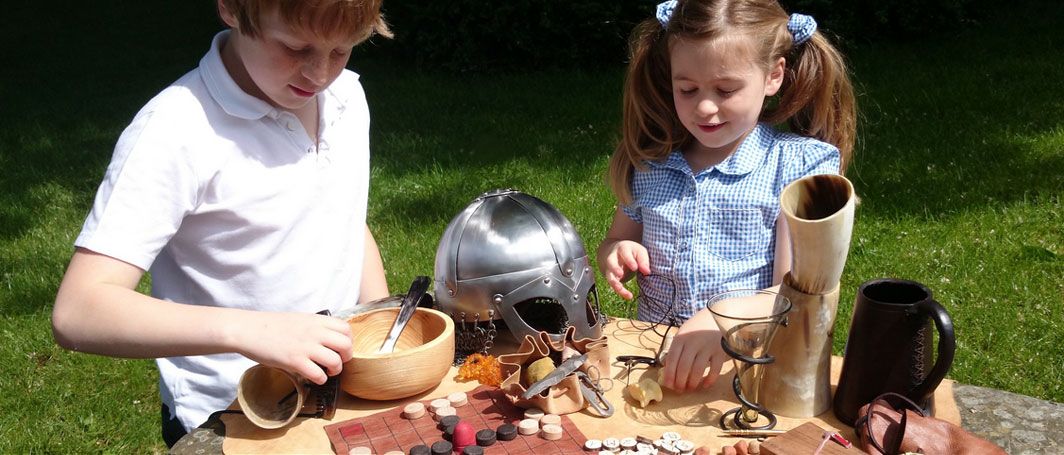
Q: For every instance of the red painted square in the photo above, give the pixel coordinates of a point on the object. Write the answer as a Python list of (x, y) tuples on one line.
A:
[(352, 431)]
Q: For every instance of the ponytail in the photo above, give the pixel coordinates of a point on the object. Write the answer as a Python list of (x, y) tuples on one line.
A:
[(816, 98), (649, 128)]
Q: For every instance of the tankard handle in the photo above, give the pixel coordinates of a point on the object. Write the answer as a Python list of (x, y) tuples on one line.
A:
[(947, 345)]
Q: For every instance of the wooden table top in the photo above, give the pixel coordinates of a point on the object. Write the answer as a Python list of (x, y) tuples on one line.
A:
[(693, 415)]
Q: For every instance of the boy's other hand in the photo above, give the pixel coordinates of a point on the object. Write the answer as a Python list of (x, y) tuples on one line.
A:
[(695, 348), (310, 345), (622, 258)]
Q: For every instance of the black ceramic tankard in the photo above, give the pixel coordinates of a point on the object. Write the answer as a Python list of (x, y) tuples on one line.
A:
[(889, 346)]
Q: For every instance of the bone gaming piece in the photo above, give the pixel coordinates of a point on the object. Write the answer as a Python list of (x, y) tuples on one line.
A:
[(550, 419), (361, 450), (611, 444), (643, 447), (528, 427), (464, 436), (592, 444), (395, 452), (605, 452), (414, 410), (685, 446), (444, 412), (552, 432), (438, 403), (458, 399), (506, 432), (534, 414), (669, 447), (628, 443), (671, 436)]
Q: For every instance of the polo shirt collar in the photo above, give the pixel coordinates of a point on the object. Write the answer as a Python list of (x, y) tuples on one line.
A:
[(233, 100), (747, 157)]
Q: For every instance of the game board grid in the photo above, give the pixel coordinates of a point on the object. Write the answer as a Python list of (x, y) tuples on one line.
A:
[(488, 408)]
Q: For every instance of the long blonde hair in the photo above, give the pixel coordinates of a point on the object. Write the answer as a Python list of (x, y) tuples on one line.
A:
[(816, 98)]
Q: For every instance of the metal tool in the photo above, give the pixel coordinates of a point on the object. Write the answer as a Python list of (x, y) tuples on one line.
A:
[(593, 394), (554, 377), (406, 310)]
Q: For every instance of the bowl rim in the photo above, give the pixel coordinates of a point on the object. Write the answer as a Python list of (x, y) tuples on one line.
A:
[(448, 327)]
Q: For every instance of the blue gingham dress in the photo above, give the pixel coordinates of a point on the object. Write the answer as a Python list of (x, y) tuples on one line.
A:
[(715, 231)]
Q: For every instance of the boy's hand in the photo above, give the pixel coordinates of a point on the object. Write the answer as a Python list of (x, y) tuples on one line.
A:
[(623, 257), (310, 345), (695, 348)]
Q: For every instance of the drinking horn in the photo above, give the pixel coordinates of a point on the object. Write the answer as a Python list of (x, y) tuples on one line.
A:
[(819, 214), (271, 397)]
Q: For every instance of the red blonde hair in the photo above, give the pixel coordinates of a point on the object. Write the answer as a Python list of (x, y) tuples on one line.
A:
[(357, 19)]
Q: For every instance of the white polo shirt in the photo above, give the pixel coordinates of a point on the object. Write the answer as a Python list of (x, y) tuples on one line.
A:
[(226, 201)]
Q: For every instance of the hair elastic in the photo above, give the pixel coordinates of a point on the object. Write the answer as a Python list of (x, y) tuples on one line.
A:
[(801, 27), (665, 11)]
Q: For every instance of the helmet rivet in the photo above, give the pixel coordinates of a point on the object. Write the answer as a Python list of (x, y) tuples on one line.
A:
[(568, 271), (576, 297), (497, 298), (546, 281), (450, 292)]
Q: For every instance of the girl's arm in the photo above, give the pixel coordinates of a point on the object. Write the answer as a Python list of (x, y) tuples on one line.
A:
[(782, 255), (98, 310), (620, 253), (374, 284)]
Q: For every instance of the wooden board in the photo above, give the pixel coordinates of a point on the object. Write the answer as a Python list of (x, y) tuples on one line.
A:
[(694, 415), (488, 408), (804, 440)]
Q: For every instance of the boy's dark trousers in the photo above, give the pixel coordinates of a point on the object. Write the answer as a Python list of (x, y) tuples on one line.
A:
[(172, 428)]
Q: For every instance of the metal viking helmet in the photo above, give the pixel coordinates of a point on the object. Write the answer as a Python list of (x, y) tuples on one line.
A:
[(512, 256)]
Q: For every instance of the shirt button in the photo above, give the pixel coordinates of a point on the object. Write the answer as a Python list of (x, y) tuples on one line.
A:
[(291, 126)]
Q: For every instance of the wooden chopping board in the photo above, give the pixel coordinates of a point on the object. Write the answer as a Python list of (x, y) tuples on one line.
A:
[(694, 415)]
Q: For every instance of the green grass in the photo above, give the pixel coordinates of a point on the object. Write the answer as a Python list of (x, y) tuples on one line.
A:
[(959, 165)]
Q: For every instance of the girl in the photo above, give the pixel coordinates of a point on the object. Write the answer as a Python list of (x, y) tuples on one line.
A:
[(700, 167)]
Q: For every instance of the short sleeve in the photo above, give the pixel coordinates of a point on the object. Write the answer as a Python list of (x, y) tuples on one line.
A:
[(147, 190), (633, 212), (812, 157)]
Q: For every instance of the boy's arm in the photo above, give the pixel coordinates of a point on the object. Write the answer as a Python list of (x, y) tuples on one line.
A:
[(781, 263), (98, 311), (374, 284)]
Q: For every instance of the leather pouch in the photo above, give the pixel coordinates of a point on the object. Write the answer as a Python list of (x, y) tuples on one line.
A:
[(886, 429), (564, 397)]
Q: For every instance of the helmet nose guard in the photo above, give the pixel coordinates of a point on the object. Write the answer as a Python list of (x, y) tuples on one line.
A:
[(512, 256)]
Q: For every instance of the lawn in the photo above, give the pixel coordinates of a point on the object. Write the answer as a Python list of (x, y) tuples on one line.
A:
[(960, 166)]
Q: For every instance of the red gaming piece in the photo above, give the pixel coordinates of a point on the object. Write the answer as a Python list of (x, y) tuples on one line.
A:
[(464, 435)]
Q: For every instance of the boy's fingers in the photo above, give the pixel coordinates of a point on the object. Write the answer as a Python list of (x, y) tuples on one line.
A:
[(339, 343), (312, 372)]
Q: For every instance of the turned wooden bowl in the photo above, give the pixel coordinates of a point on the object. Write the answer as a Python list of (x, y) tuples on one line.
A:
[(422, 356)]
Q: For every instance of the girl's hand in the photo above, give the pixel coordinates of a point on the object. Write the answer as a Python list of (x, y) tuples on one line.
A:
[(695, 348), (621, 258), (310, 345)]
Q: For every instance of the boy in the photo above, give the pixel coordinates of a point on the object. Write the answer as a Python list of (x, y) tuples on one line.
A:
[(243, 188)]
